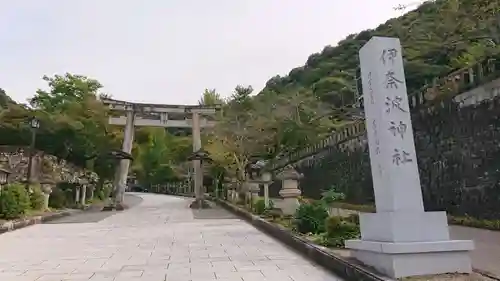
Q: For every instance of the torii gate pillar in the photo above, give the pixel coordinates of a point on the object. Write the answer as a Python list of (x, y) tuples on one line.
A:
[(198, 171), (120, 180)]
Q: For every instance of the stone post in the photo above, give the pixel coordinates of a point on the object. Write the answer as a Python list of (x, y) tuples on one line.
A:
[(245, 189), (83, 194), (233, 193), (290, 190), (266, 179), (216, 187), (400, 239), (253, 188), (77, 194), (198, 172)]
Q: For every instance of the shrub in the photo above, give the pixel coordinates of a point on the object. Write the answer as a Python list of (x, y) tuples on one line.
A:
[(338, 230), (37, 198), (57, 199), (355, 207), (304, 200), (271, 204), (331, 196), (310, 217), (332, 224), (353, 218), (259, 206), (14, 201), (473, 222), (103, 192)]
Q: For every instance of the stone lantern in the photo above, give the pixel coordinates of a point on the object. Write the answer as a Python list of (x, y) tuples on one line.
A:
[(47, 184), (83, 183), (253, 172), (4, 178), (290, 189), (232, 193), (226, 182), (119, 189)]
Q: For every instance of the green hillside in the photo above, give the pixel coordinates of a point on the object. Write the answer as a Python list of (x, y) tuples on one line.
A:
[(5, 100), (438, 37)]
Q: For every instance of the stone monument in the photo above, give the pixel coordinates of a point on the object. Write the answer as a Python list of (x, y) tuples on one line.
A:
[(400, 239)]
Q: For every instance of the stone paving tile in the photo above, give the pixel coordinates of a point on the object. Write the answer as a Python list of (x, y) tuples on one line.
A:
[(157, 240)]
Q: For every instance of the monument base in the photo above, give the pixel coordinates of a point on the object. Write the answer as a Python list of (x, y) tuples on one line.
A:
[(402, 244), (404, 226), (414, 258)]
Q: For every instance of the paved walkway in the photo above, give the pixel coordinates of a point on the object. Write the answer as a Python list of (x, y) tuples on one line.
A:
[(160, 238)]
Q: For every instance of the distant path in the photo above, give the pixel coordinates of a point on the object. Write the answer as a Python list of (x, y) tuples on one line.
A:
[(158, 239), (94, 214)]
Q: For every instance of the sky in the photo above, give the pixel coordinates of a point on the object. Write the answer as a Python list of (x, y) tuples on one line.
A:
[(169, 51)]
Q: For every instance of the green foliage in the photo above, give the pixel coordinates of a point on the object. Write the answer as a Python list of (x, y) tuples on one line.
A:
[(331, 196), (37, 198), (355, 207), (353, 218), (259, 207), (338, 230), (211, 98), (14, 201), (58, 199), (158, 156), (64, 91), (5, 100), (310, 217), (271, 204), (103, 192), (473, 222)]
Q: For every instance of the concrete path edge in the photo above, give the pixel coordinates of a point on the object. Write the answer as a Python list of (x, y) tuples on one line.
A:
[(18, 224), (333, 263)]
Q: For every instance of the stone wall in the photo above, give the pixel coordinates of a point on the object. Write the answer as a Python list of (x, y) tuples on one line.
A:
[(15, 160)]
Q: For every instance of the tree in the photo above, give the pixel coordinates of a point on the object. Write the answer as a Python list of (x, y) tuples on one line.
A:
[(64, 91), (211, 98), (75, 122), (232, 141), (5, 100), (159, 155)]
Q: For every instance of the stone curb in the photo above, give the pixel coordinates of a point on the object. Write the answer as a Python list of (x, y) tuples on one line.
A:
[(337, 265), (487, 274), (18, 224)]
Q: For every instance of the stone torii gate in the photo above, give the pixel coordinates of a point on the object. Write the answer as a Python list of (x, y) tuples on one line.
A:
[(156, 115)]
